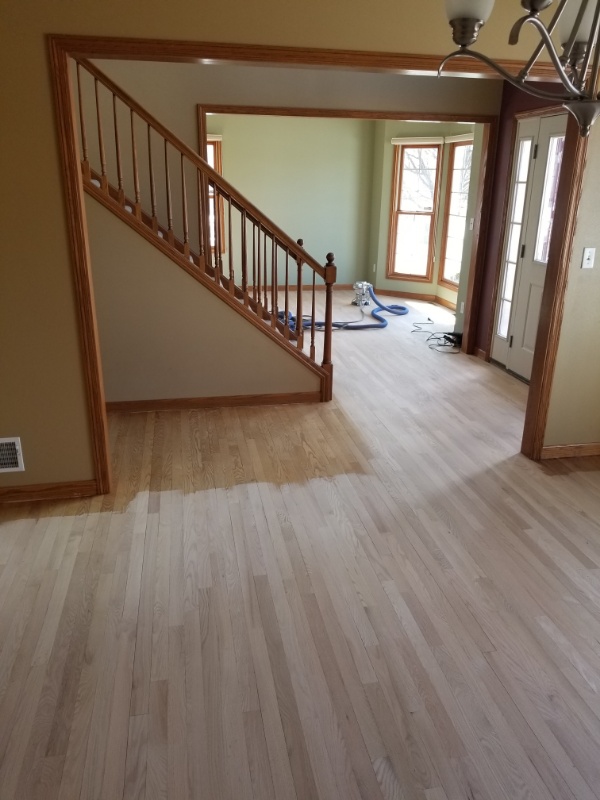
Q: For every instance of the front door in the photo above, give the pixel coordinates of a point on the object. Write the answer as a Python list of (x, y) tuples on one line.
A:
[(536, 170)]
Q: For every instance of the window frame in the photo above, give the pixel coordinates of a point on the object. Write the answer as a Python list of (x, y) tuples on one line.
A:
[(452, 146), (397, 174)]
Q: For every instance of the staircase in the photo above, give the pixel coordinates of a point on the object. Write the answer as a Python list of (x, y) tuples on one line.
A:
[(159, 186)]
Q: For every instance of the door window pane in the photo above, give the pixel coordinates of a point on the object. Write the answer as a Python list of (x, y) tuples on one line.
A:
[(513, 243), (542, 242)]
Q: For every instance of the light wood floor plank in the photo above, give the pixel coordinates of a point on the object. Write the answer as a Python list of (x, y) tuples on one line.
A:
[(372, 599)]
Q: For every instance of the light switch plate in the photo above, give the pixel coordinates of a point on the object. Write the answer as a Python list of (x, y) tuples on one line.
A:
[(589, 254)]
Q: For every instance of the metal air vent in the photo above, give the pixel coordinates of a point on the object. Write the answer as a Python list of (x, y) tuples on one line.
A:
[(11, 456)]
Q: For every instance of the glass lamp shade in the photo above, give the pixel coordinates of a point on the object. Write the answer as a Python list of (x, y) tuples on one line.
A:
[(469, 9), (568, 18)]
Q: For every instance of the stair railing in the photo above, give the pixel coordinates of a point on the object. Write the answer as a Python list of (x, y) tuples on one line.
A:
[(131, 160)]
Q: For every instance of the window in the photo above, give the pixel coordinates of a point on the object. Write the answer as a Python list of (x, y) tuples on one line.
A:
[(455, 213), (414, 203)]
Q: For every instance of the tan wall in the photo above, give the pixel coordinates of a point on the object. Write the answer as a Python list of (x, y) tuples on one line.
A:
[(42, 398), (155, 85), (163, 335), (574, 415)]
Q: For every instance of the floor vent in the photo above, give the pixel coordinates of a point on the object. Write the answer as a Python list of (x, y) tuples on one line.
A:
[(11, 456)]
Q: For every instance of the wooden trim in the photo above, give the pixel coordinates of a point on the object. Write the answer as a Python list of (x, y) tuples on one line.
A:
[(428, 298), (224, 294), (332, 113), (485, 189), (81, 264), (441, 301), (221, 52), (479, 353), (553, 298), (202, 132), (49, 491), (186, 403), (550, 111), (570, 450)]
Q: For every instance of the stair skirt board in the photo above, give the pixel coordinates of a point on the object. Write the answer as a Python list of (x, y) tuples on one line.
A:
[(48, 491), (186, 403)]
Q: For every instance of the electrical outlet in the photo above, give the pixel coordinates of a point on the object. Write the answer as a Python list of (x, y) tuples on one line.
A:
[(374, 267), (471, 224), (589, 254), (462, 308)]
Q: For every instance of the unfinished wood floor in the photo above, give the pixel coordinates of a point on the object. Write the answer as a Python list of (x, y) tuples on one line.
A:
[(376, 598)]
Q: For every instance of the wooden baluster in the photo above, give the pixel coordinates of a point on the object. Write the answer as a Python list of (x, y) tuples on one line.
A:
[(330, 275), (254, 261), (136, 177), (266, 276), (170, 236), (218, 205), (274, 309), (121, 192), (313, 316), (259, 272), (286, 332), (85, 163), (299, 324), (152, 183), (103, 177), (184, 212), (203, 221), (244, 257), (230, 238)]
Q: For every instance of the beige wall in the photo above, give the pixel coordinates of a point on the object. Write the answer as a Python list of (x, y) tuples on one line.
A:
[(163, 335), (155, 86), (574, 415), (42, 398)]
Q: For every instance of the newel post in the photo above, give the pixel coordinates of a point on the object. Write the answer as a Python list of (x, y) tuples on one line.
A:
[(330, 276)]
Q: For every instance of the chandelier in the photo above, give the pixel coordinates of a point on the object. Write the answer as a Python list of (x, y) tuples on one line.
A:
[(575, 24)]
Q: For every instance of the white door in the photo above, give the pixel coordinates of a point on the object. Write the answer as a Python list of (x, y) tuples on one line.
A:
[(534, 184)]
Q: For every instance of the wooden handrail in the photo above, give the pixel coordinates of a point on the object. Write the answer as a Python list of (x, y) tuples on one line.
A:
[(225, 189)]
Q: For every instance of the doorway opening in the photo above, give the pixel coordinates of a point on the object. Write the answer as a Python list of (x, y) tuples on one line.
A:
[(533, 193)]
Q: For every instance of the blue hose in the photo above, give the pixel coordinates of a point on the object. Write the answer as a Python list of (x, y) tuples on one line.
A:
[(382, 322)]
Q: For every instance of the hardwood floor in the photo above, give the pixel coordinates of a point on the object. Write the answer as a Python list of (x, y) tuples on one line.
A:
[(376, 598)]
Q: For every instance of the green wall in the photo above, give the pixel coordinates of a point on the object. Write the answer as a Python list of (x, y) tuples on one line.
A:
[(311, 176)]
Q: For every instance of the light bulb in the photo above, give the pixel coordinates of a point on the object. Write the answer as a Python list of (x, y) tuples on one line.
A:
[(469, 9)]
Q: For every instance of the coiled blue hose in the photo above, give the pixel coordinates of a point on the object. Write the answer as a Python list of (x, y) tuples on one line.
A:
[(382, 322)]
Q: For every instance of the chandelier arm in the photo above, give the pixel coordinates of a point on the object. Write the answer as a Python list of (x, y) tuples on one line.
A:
[(479, 57), (517, 82), (555, 58), (592, 44), (524, 74), (570, 44)]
